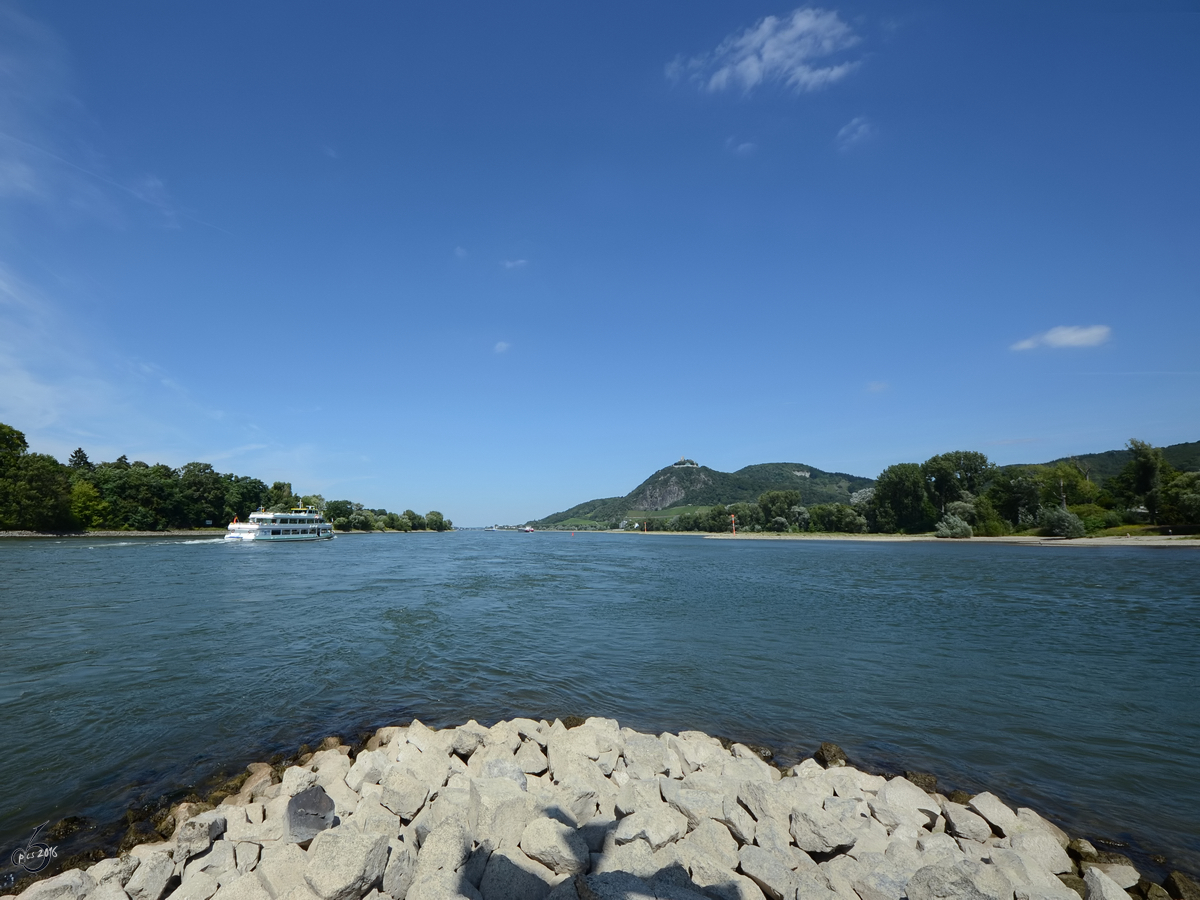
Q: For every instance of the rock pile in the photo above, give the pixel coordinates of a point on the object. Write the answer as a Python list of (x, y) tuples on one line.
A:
[(529, 810)]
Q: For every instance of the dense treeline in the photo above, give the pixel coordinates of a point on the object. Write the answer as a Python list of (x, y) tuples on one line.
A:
[(38, 493), (962, 493)]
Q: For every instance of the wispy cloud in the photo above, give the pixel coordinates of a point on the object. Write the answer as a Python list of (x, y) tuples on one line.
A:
[(460, 252), (514, 263), (740, 148), (791, 49), (502, 346), (854, 132), (46, 157), (1066, 336), (877, 387)]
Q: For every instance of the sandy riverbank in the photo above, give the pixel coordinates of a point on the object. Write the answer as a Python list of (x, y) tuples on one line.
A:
[(1140, 540)]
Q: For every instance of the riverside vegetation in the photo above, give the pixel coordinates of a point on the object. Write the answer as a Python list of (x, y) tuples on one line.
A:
[(955, 495), (38, 493), (528, 810)]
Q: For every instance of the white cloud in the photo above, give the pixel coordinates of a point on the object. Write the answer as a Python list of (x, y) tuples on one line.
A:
[(740, 148), (460, 252), (47, 155), (776, 49), (855, 131), (877, 387), (1066, 336), (501, 346), (514, 263)]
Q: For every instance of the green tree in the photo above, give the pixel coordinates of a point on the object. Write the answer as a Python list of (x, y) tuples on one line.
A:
[(1015, 494), (838, 517), (280, 497), (88, 509), (418, 521), (435, 521), (778, 504), (79, 460), (40, 494), (202, 492), (243, 495), (1181, 500), (901, 502), (950, 476)]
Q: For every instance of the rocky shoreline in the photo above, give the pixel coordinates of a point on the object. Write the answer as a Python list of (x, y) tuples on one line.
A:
[(528, 810)]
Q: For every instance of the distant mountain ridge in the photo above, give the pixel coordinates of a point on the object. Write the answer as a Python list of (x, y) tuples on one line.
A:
[(688, 484), (1101, 466)]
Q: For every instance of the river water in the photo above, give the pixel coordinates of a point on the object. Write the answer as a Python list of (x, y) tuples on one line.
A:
[(1061, 678)]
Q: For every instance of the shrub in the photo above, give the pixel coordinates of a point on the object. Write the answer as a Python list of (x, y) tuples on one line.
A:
[(1061, 522), (953, 527)]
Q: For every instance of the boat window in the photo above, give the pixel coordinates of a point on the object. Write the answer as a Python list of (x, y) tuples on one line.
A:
[(274, 531)]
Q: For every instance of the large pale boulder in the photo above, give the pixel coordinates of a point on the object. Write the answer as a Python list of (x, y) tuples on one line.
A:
[(498, 811), (511, 875), (902, 794), (197, 834), (710, 840), (646, 756), (988, 805), (1029, 819), (655, 825), (70, 885), (216, 861), (118, 869), (468, 738), (638, 794), (446, 848), (427, 740), (1028, 877), (370, 817), (723, 883), (281, 867), (963, 823), (555, 845), (297, 778), (635, 857), (368, 768), (442, 885), (1042, 846), (737, 819), (402, 792), (343, 865), (771, 873), (244, 887), (530, 759), (199, 886), (944, 883), (400, 869), (149, 880), (1101, 887), (816, 831)]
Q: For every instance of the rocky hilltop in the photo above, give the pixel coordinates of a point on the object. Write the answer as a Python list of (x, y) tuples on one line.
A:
[(529, 810), (696, 485)]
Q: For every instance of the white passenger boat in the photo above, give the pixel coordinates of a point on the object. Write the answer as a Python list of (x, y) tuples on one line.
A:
[(303, 523)]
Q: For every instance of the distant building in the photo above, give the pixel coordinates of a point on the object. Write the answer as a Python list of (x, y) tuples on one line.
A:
[(685, 463)]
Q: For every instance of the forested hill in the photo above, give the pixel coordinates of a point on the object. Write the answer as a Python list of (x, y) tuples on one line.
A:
[(693, 485), (1102, 466)]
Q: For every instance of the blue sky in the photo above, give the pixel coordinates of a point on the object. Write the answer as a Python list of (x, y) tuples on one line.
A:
[(499, 259)]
